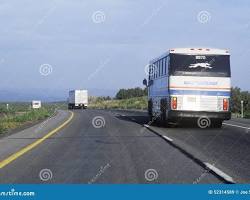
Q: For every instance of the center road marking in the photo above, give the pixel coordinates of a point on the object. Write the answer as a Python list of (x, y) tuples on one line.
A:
[(24, 150)]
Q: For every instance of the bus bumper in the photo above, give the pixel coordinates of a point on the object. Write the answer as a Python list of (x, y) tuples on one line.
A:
[(176, 115)]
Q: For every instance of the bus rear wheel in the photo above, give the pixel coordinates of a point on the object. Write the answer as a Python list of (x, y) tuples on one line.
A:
[(150, 113), (163, 118), (217, 124)]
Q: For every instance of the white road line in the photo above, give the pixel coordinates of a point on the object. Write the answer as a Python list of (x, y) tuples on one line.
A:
[(239, 122), (164, 136), (236, 126), (208, 165), (167, 138), (219, 172)]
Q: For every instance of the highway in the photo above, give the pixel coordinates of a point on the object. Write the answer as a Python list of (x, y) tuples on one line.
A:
[(115, 146)]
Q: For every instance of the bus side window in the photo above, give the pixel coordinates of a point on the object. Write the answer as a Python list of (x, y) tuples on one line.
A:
[(159, 68), (155, 70), (167, 65), (149, 73), (151, 70), (162, 66)]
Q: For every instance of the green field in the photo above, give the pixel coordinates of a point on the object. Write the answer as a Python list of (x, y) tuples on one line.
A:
[(131, 103), (19, 114)]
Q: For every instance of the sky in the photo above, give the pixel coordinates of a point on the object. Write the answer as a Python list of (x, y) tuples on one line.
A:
[(106, 44)]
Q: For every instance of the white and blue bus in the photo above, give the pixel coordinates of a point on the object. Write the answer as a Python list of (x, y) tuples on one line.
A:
[(190, 83)]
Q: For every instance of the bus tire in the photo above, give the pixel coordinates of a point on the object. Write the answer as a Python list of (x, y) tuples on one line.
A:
[(150, 105), (163, 118), (217, 124)]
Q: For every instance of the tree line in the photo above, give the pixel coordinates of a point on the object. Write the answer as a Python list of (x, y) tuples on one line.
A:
[(237, 95), (130, 93)]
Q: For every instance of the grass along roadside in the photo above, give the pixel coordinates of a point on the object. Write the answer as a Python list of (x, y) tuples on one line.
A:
[(20, 114), (9, 122), (131, 103)]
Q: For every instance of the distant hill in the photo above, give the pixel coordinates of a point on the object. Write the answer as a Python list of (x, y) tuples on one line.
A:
[(47, 95)]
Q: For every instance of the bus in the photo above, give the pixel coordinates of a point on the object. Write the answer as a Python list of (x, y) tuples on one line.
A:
[(190, 84)]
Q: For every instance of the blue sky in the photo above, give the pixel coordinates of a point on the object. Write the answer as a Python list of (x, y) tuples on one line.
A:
[(112, 54)]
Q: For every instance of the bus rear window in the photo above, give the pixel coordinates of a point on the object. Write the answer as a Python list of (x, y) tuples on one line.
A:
[(200, 65)]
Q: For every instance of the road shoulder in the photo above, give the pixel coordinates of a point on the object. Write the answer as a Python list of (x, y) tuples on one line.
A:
[(12, 143)]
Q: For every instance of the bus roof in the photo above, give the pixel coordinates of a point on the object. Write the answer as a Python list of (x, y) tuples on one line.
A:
[(194, 51)]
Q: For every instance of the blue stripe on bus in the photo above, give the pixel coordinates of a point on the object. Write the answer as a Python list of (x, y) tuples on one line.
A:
[(200, 92), (160, 93)]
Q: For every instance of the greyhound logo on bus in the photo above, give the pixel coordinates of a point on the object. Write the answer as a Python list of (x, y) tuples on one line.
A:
[(202, 65)]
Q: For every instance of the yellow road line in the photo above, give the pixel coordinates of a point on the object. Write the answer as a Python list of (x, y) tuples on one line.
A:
[(19, 153)]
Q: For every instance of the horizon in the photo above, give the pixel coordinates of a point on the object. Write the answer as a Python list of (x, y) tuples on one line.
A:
[(59, 96)]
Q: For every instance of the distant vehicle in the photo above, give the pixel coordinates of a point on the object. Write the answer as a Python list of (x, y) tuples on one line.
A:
[(78, 99), (36, 104), (190, 83)]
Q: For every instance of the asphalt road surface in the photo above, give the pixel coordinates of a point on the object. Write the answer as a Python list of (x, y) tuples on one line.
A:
[(98, 146)]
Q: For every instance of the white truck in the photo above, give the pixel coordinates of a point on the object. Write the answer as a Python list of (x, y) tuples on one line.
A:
[(36, 104), (78, 99)]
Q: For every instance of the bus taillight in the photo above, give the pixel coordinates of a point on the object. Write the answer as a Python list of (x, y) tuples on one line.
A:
[(225, 104), (174, 103)]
